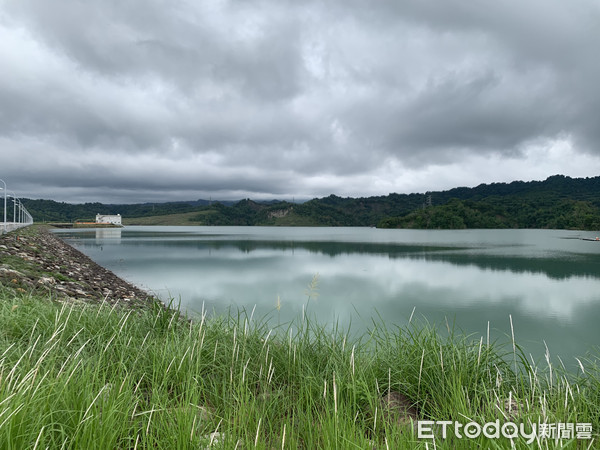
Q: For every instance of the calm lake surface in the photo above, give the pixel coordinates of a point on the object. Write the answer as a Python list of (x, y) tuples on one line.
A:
[(548, 281)]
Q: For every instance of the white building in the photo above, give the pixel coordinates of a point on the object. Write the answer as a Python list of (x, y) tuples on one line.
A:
[(108, 218)]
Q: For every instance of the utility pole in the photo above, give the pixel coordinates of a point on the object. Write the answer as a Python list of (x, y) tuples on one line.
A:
[(428, 203), (3, 182)]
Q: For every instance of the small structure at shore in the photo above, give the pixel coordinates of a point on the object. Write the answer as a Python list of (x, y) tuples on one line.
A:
[(108, 219)]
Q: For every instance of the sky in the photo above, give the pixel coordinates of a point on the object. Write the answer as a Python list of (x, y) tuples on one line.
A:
[(130, 101)]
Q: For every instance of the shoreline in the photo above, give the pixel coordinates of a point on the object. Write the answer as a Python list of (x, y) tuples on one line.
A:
[(33, 259), (80, 371)]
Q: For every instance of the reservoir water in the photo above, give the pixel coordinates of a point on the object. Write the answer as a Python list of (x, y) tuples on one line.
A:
[(546, 281)]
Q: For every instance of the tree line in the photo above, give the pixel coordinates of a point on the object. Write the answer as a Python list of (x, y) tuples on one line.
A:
[(557, 202)]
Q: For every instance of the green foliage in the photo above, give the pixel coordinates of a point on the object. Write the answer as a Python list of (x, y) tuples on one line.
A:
[(456, 214), (51, 211), (98, 376), (557, 202), (501, 213)]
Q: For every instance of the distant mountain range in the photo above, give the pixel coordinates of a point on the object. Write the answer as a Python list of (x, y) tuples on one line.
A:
[(557, 202)]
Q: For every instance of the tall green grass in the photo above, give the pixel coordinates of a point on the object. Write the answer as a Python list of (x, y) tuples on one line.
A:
[(83, 376)]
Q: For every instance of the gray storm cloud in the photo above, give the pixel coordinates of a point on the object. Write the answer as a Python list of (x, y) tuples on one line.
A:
[(151, 100)]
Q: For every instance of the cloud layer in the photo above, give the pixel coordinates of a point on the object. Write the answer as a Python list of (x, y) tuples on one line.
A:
[(153, 100)]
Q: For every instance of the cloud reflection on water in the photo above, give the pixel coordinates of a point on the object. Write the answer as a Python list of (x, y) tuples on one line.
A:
[(550, 287)]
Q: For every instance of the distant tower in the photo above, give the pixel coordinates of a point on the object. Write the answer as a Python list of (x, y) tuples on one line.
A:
[(428, 202)]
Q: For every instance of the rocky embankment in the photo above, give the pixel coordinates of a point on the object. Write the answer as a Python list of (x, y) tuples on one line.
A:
[(33, 260)]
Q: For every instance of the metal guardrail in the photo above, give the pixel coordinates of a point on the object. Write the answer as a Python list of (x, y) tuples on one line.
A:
[(20, 216)]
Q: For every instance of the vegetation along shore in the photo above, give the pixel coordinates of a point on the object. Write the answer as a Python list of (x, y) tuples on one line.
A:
[(89, 361), (558, 202)]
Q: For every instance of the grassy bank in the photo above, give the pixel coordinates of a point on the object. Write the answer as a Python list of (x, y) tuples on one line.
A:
[(212, 217), (99, 376), (180, 219)]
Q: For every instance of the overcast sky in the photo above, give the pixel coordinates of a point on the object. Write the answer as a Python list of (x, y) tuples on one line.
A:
[(156, 100)]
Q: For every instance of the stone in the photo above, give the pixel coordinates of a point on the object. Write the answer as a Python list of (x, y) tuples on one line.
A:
[(48, 253), (397, 408)]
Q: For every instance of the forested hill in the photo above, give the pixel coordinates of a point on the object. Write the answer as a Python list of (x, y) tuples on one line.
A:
[(557, 202)]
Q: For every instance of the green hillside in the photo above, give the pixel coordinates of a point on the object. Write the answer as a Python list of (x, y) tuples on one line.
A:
[(557, 202)]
